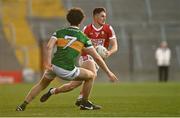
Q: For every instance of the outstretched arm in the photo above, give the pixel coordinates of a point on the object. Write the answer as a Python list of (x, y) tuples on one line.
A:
[(101, 63), (114, 47)]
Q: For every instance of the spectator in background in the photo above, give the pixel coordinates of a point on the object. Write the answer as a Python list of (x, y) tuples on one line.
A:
[(163, 56)]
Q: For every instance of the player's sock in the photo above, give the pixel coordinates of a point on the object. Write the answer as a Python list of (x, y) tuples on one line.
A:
[(22, 107), (79, 100), (46, 95), (80, 96), (53, 91)]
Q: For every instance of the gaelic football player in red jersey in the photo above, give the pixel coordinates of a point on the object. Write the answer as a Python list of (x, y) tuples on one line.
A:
[(100, 33)]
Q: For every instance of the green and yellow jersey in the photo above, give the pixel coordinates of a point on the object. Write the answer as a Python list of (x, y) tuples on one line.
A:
[(70, 42)]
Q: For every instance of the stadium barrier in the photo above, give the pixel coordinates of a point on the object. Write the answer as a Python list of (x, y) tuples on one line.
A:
[(10, 77)]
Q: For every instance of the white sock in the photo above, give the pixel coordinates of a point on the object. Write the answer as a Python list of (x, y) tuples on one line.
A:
[(52, 91), (80, 96)]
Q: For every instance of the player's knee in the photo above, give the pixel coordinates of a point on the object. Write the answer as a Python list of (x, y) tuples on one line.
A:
[(92, 75)]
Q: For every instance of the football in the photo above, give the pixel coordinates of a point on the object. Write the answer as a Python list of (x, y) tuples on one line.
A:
[(101, 50)]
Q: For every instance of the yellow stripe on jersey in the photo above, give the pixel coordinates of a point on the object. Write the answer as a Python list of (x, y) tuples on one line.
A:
[(77, 45)]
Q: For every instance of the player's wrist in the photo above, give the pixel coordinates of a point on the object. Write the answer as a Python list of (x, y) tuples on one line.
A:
[(110, 52)]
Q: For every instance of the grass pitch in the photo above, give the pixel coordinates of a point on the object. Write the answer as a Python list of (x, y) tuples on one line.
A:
[(120, 99)]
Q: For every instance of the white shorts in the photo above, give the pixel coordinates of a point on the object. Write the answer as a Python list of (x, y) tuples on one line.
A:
[(86, 58), (62, 73)]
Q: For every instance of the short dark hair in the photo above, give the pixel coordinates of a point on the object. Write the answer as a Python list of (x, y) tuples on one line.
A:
[(75, 16), (98, 10)]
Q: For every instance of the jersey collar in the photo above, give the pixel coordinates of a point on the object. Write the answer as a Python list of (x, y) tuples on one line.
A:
[(74, 27), (97, 29)]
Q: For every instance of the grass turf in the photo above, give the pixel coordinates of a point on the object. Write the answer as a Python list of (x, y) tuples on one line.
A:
[(120, 99)]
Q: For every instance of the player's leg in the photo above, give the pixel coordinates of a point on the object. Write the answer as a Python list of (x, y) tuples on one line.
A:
[(71, 85), (85, 104), (87, 85), (36, 89), (41, 85), (87, 62), (68, 87), (78, 77), (80, 74), (84, 75), (62, 89), (90, 65), (82, 100), (86, 89)]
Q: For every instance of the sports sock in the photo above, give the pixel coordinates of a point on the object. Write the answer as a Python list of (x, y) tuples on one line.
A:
[(80, 96), (53, 91)]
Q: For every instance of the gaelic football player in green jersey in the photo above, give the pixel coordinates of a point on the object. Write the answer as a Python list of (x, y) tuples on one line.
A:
[(70, 43)]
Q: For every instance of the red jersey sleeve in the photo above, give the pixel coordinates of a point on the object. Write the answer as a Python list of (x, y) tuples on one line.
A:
[(110, 31)]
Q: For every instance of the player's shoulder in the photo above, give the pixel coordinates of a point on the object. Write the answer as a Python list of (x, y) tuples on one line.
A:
[(107, 26), (87, 27), (60, 29), (81, 34), (57, 32)]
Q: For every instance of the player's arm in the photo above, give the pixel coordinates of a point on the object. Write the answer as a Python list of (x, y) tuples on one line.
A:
[(49, 47), (114, 47), (113, 42), (91, 51)]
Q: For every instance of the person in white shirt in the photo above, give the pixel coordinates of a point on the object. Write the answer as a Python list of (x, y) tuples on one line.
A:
[(163, 56)]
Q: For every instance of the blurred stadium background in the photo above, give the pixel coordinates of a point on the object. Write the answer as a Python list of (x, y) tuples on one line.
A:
[(140, 25), (26, 26)]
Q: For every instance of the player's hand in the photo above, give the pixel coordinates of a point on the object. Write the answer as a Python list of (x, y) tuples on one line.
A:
[(112, 77), (48, 66), (108, 53)]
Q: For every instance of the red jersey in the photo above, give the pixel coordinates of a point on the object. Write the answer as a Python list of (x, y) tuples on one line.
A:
[(100, 36)]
